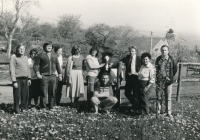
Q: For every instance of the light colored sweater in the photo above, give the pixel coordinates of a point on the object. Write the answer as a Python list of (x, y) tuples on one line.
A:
[(19, 67)]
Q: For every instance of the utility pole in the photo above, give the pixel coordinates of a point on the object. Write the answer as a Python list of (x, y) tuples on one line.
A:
[(151, 42)]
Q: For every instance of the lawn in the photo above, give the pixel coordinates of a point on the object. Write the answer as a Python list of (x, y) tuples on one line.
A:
[(64, 122)]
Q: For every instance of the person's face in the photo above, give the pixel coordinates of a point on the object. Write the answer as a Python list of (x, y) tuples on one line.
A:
[(78, 51), (21, 50), (48, 48), (164, 51), (59, 52), (33, 55), (94, 52), (146, 61), (105, 79), (132, 52)]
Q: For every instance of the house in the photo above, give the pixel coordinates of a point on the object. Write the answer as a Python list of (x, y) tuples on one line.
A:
[(156, 49)]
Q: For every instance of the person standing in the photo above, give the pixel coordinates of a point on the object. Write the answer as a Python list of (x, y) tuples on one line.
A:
[(92, 69), (34, 90), (146, 77), (166, 69), (133, 64), (21, 78), (45, 66), (101, 97), (74, 75), (59, 84)]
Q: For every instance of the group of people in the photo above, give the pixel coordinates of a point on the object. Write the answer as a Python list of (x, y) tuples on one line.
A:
[(41, 76)]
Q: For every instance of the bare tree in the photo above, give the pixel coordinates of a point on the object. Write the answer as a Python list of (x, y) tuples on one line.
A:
[(10, 29)]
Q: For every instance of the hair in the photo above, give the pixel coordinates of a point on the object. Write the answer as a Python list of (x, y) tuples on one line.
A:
[(132, 47), (46, 44), (33, 51), (17, 49), (146, 55), (94, 49), (75, 49), (57, 47), (104, 73), (164, 46)]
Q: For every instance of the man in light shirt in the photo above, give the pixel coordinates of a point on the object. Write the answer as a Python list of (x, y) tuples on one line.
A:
[(59, 84), (133, 64)]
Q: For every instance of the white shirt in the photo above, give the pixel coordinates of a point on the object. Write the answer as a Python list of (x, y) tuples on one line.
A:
[(133, 65), (30, 64), (60, 60), (94, 61)]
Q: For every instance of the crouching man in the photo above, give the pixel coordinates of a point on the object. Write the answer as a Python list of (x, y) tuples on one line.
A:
[(101, 98)]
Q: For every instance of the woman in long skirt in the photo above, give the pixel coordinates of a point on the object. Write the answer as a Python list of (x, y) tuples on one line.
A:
[(74, 75)]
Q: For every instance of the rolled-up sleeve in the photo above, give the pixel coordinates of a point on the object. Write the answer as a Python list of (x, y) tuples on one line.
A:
[(152, 75)]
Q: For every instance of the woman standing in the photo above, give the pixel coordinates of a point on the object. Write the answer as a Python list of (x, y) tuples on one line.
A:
[(92, 68), (74, 75), (21, 78), (34, 90), (146, 77)]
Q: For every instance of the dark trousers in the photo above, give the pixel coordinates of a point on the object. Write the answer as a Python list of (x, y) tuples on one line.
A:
[(90, 88), (21, 94), (59, 85), (34, 92), (48, 88), (143, 97), (131, 90)]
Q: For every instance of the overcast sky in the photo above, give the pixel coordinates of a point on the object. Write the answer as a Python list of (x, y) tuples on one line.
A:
[(144, 15)]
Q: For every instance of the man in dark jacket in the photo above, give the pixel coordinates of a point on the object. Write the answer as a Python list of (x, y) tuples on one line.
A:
[(45, 67), (133, 64), (166, 69)]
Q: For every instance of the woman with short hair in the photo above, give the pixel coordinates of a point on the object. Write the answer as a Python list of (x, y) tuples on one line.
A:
[(146, 77)]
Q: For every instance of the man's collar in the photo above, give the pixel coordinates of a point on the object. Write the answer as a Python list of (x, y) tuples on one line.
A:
[(165, 57)]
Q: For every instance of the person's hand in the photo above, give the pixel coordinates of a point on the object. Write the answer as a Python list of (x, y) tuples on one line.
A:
[(29, 82), (102, 65), (146, 89), (39, 76), (15, 85), (111, 64), (167, 78), (60, 77)]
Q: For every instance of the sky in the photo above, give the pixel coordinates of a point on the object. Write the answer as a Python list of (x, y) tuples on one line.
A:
[(158, 16)]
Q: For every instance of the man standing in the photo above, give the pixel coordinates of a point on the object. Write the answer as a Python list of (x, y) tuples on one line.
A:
[(46, 66), (59, 84), (21, 78), (133, 64), (166, 69), (101, 98)]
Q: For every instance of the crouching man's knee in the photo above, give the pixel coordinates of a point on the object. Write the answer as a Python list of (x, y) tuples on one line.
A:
[(113, 100), (95, 100)]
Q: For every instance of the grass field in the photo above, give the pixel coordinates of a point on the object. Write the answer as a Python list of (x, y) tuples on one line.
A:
[(66, 123)]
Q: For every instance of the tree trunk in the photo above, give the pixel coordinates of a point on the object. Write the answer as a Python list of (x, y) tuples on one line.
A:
[(9, 44)]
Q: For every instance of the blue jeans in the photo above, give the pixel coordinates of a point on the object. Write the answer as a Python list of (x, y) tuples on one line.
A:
[(90, 88)]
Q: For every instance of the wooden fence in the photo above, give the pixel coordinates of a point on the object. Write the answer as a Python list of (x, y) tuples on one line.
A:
[(119, 87)]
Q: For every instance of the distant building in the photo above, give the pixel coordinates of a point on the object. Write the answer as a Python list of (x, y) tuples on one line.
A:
[(156, 49)]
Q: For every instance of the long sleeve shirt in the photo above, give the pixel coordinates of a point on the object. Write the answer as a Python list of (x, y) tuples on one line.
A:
[(19, 67), (147, 73), (47, 65)]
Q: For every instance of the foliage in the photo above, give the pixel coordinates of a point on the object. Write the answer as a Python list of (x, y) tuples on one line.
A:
[(183, 54), (170, 36), (69, 27), (66, 123)]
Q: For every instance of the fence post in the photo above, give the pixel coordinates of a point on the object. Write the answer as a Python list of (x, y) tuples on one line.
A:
[(119, 69), (179, 83)]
